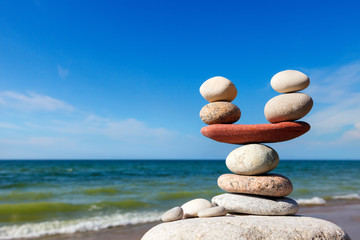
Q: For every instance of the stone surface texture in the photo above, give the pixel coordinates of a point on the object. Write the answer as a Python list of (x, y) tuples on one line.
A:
[(256, 205), (220, 113), (252, 159), (212, 212), (274, 185), (289, 81), (192, 207), (218, 89), (173, 214), (255, 133), (288, 107), (246, 228)]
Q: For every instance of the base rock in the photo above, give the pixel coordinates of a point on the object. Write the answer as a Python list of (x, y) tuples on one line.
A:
[(247, 227)]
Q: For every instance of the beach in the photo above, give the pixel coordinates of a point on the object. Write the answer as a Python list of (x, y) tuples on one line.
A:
[(124, 199)]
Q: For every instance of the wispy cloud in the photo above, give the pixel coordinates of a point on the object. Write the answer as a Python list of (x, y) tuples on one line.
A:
[(127, 130), (32, 102), (63, 73), (336, 91), (75, 133)]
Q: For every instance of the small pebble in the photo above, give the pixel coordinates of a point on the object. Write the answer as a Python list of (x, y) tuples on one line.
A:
[(173, 214), (191, 208), (212, 212)]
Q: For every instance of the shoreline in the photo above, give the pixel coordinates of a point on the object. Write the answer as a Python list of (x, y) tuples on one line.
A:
[(346, 215)]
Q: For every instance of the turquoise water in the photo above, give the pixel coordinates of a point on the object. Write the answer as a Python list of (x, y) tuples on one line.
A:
[(46, 197)]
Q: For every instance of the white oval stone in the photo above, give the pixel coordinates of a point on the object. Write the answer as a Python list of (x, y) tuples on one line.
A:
[(212, 212), (288, 107), (252, 159), (173, 214), (289, 81), (256, 205), (191, 208), (218, 89)]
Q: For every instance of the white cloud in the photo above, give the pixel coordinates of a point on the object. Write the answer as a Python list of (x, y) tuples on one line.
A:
[(337, 93), (63, 73), (32, 102)]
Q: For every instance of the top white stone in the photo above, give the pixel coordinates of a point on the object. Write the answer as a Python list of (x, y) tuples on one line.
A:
[(218, 89), (289, 81)]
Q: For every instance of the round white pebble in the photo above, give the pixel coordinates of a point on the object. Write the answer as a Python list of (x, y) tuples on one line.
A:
[(218, 89), (191, 208)]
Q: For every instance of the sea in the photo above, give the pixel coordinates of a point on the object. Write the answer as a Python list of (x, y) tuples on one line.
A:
[(45, 197)]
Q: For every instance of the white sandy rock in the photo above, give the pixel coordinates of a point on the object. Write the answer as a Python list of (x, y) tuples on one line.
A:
[(212, 212), (247, 227), (288, 107), (218, 89), (252, 159), (289, 81), (191, 208), (256, 205), (173, 214)]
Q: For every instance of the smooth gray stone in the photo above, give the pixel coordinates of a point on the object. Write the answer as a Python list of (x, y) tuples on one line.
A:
[(247, 227), (173, 214), (212, 212), (256, 205), (252, 159)]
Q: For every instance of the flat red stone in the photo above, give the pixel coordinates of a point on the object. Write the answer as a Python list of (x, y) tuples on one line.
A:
[(255, 133)]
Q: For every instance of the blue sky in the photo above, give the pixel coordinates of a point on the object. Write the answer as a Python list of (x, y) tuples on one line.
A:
[(120, 79)]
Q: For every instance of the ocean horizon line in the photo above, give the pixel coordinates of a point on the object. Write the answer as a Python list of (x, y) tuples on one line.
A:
[(152, 159)]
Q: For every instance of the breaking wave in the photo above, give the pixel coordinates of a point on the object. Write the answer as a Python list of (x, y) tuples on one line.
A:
[(353, 196), (77, 225), (315, 201)]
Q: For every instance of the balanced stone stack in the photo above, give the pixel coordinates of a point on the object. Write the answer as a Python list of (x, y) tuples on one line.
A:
[(255, 202), (251, 189)]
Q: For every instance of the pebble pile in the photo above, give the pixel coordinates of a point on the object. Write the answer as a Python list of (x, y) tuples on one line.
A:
[(251, 189)]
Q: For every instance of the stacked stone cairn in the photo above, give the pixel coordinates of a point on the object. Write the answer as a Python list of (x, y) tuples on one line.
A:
[(251, 189), (255, 203)]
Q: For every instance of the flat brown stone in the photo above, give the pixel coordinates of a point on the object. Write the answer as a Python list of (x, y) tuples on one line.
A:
[(255, 133), (273, 185)]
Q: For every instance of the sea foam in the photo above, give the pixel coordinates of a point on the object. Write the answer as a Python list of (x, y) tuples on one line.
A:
[(315, 201), (78, 225), (353, 196)]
